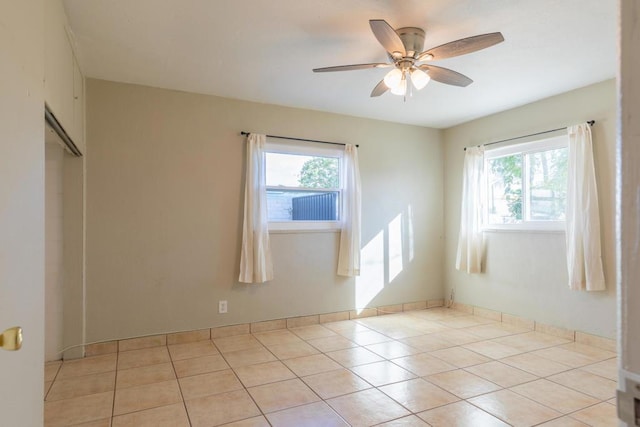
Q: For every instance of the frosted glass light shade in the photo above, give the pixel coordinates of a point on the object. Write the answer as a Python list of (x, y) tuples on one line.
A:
[(393, 78), (401, 88), (419, 78)]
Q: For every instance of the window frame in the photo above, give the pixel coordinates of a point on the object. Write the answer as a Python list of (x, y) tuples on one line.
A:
[(524, 148), (307, 149)]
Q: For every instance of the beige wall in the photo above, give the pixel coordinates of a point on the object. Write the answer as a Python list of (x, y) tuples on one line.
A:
[(526, 271), (64, 251), (54, 266), (164, 214), (73, 255)]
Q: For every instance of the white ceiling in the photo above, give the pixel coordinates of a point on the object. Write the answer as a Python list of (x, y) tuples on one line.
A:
[(264, 50)]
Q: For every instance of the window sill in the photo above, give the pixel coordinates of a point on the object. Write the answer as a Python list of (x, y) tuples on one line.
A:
[(304, 231), (528, 227), (525, 230), (290, 227)]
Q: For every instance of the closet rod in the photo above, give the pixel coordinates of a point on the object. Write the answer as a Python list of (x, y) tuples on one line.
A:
[(591, 123), (298, 139)]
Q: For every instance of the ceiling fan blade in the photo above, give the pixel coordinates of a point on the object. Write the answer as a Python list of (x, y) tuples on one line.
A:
[(446, 76), (379, 89), (387, 36), (351, 67), (462, 46)]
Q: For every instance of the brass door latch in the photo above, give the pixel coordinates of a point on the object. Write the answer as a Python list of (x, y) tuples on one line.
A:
[(11, 339)]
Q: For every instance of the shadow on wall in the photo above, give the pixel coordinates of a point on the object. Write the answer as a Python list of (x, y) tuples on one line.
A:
[(384, 257)]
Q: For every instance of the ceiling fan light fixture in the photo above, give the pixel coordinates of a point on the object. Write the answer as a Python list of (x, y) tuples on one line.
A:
[(419, 78), (401, 88), (393, 78)]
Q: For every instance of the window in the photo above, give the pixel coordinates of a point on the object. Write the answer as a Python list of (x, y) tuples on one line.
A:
[(527, 185), (303, 186)]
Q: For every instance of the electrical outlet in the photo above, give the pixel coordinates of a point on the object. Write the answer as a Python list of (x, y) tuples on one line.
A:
[(222, 306)]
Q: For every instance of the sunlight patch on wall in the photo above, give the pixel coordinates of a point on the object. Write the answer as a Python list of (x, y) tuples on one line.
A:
[(396, 261), (410, 232), (371, 279), (384, 257)]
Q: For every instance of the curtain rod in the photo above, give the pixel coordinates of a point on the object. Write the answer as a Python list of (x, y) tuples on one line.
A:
[(243, 133), (591, 123)]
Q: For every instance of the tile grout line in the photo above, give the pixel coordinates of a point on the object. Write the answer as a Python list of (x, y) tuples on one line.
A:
[(297, 377), (325, 401), (115, 384), (240, 381), (52, 381), (184, 402), (563, 414), (349, 335), (509, 388)]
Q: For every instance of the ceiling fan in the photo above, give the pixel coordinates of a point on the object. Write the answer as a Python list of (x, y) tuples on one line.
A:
[(404, 49)]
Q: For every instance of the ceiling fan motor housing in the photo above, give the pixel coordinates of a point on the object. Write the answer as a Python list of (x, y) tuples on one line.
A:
[(412, 39)]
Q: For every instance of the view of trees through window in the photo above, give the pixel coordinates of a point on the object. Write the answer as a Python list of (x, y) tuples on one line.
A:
[(505, 189), (548, 185), (302, 187), (319, 172), (527, 187)]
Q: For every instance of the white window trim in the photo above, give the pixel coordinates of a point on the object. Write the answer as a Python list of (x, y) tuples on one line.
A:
[(303, 226), (558, 226), (552, 143), (306, 149), (560, 141)]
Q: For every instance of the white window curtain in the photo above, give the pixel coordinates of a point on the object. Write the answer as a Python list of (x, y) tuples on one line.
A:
[(470, 239), (255, 261), (349, 256), (584, 256)]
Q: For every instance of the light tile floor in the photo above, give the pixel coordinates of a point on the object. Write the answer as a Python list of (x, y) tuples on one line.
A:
[(435, 367)]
